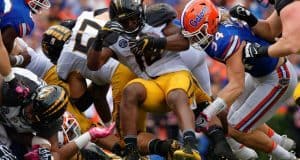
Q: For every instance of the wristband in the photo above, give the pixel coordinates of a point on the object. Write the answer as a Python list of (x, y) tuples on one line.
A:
[(9, 77), (215, 107), (263, 50), (83, 140), (19, 59), (252, 21), (161, 43)]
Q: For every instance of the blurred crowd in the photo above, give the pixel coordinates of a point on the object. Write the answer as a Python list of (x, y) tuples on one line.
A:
[(287, 119)]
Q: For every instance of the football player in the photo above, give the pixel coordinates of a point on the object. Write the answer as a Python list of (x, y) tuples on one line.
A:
[(159, 70), (118, 77), (161, 13), (284, 46), (16, 21), (43, 115), (256, 87)]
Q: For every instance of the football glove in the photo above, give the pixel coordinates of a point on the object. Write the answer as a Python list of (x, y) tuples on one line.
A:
[(254, 50), (16, 92), (107, 35), (147, 45), (242, 13), (97, 132)]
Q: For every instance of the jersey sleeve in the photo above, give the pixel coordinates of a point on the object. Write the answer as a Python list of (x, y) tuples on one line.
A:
[(224, 46), (21, 22)]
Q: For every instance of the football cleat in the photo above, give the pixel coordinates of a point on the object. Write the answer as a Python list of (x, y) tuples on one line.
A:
[(287, 143), (186, 153)]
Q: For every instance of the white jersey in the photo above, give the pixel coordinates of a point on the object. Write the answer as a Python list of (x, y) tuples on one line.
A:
[(11, 115), (169, 62), (73, 56), (39, 63)]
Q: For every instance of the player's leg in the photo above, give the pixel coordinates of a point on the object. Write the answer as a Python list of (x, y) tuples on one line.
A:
[(137, 93), (281, 140), (121, 76), (259, 107), (179, 89)]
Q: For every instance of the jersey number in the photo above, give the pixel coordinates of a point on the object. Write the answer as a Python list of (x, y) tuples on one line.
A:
[(86, 24)]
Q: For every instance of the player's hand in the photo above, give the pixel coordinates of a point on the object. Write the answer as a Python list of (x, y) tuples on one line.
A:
[(38, 153), (147, 45), (111, 32), (26, 57), (242, 13), (254, 50), (16, 92), (97, 132)]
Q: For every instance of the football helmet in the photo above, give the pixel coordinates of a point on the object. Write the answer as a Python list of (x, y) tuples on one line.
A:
[(54, 39), (70, 129), (36, 5), (129, 13), (199, 21), (49, 104)]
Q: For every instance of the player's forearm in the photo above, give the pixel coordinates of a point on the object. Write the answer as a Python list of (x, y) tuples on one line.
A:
[(177, 42), (5, 67), (283, 47), (66, 152), (231, 92), (269, 28), (264, 30)]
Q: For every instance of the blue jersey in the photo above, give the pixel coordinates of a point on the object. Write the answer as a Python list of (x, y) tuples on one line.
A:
[(228, 39), (17, 15)]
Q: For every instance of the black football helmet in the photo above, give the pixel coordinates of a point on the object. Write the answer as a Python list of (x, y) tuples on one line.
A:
[(55, 37), (49, 104), (126, 11)]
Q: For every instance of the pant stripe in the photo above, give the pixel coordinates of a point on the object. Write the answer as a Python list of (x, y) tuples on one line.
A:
[(266, 104)]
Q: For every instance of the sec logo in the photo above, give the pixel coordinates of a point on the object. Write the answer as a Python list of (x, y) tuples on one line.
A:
[(123, 43)]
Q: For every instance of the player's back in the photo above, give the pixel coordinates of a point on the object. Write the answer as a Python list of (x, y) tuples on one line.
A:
[(228, 39), (74, 53), (17, 15)]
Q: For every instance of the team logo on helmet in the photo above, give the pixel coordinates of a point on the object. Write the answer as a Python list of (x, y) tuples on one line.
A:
[(198, 18)]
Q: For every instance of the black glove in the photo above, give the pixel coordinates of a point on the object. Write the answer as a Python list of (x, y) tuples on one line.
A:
[(244, 14), (147, 45), (254, 50), (111, 32), (16, 92), (107, 35)]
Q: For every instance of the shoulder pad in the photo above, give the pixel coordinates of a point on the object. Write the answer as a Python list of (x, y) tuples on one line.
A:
[(160, 13)]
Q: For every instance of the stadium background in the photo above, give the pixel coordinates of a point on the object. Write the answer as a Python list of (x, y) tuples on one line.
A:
[(287, 118)]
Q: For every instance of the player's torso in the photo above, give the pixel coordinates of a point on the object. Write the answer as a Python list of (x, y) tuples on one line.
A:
[(167, 62), (228, 39), (17, 15), (74, 54)]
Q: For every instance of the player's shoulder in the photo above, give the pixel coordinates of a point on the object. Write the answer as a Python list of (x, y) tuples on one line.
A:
[(18, 16)]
